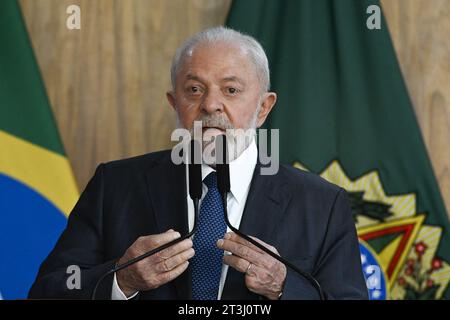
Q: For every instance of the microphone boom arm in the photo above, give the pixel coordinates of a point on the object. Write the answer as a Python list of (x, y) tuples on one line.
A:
[(306, 275)]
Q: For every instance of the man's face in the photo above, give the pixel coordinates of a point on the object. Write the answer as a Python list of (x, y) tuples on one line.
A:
[(218, 85)]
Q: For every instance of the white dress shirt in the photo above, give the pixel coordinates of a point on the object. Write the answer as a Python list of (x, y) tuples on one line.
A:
[(241, 173)]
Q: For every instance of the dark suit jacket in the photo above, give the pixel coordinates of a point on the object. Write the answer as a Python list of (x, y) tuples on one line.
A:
[(306, 218)]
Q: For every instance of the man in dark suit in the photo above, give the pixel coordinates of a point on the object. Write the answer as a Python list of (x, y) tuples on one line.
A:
[(131, 206)]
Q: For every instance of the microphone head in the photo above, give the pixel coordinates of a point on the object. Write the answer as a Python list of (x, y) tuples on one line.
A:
[(195, 170), (222, 166)]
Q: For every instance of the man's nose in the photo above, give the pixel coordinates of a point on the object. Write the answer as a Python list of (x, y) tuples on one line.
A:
[(212, 103)]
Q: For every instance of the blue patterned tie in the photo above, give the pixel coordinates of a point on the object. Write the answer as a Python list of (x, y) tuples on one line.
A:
[(207, 262)]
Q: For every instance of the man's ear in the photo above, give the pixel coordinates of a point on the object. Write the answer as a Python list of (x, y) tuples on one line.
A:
[(267, 102), (171, 98)]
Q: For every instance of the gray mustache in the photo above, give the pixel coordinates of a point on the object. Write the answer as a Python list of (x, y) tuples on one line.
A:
[(217, 122)]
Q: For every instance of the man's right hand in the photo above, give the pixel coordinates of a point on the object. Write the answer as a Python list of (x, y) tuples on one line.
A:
[(157, 269)]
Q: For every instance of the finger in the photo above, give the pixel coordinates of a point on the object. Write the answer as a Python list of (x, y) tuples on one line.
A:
[(264, 260), (268, 246), (172, 274), (242, 265), (154, 241), (157, 240), (240, 250), (146, 243), (174, 249), (237, 263), (237, 238), (174, 261)]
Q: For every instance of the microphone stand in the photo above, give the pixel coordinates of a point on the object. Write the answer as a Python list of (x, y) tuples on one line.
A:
[(223, 180)]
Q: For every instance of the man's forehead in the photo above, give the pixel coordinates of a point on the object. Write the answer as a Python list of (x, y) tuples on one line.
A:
[(221, 54), (224, 65), (217, 47), (223, 78)]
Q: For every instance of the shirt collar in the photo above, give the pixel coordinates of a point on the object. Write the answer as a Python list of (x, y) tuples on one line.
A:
[(241, 171)]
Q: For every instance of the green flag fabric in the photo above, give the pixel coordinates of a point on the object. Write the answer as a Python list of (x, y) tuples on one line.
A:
[(37, 187), (344, 112)]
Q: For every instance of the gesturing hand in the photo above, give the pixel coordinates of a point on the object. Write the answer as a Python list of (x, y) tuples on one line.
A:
[(264, 274), (158, 269)]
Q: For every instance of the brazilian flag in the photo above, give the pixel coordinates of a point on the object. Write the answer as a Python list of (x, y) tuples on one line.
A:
[(37, 187), (344, 113)]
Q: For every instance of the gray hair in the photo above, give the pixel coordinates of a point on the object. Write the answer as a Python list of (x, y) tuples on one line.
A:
[(249, 44)]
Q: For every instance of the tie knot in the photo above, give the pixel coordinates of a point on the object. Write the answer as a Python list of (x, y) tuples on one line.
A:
[(211, 180)]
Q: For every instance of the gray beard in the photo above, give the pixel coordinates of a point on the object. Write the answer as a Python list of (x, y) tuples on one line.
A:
[(238, 140)]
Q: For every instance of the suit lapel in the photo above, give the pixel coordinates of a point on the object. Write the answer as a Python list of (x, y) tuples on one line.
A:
[(167, 190), (266, 203)]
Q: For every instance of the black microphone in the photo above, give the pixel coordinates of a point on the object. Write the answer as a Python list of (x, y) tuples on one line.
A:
[(195, 179), (195, 171), (195, 192), (223, 184)]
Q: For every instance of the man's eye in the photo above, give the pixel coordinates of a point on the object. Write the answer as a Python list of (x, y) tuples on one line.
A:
[(194, 89), (232, 90)]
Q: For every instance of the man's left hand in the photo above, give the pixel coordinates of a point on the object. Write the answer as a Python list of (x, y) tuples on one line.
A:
[(264, 274)]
